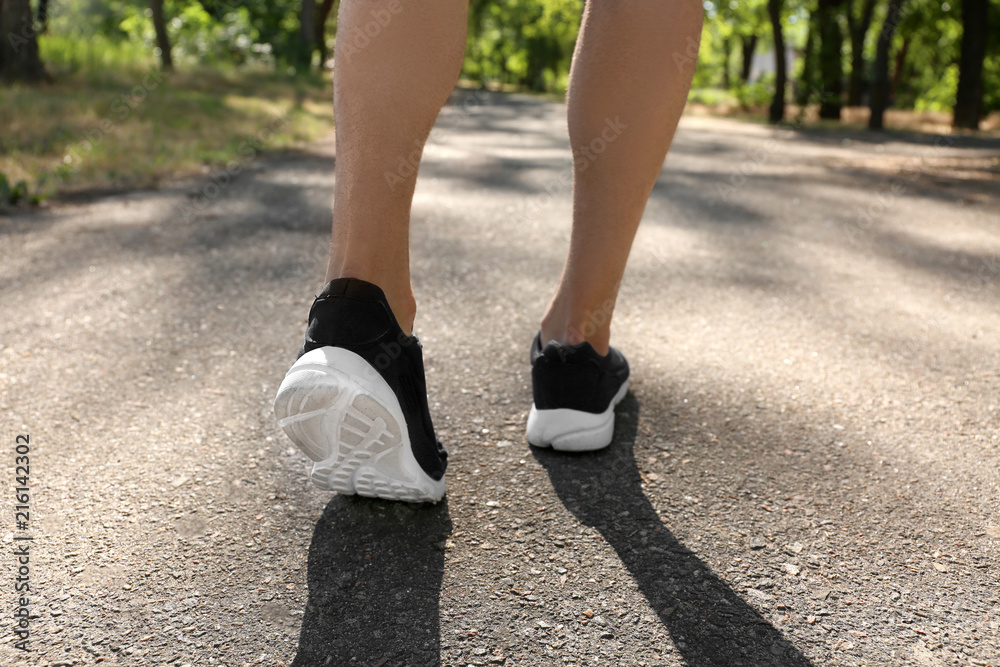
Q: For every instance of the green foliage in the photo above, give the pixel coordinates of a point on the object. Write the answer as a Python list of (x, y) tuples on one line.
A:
[(11, 194), (991, 74), (17, 193), (738, 18), (712, 60), (940, 96), (100, 33), (522, 42), (129, 130), (231, 38), (275, 24), (712, 97), (731, 22), (923, 63), (96, 56), (756, 94), (929, 36)]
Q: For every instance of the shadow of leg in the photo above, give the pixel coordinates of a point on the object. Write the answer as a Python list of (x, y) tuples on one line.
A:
[(708, 622), (375, 571)]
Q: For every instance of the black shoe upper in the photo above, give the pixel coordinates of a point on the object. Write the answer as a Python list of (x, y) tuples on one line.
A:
[(575, 377), (355, 315)]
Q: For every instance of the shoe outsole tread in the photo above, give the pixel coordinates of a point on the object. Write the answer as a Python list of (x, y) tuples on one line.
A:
[(339, 411)]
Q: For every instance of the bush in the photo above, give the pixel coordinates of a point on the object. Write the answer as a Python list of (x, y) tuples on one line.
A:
[(711, 96), (94, 55), (12, 195), (756, 94), (941, 95), (522, 42)]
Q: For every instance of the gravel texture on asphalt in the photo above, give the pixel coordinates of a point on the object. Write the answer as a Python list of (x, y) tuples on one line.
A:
[(805, 471)]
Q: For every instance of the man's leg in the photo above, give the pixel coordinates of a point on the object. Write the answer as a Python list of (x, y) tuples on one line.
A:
[(629, 81), (395, 63)]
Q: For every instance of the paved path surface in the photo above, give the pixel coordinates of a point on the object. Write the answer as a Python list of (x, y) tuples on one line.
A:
[(805, 473)]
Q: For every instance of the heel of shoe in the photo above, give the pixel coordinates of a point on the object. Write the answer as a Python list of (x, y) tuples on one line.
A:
[(303, 400), (569, 430), (340, 412)]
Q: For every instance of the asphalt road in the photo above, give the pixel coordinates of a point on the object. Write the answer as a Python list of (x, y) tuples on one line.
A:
[(805, 471)]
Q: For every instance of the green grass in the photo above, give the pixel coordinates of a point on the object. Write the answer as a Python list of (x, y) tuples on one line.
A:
[(712, 97), (94, 56), (109, 119)]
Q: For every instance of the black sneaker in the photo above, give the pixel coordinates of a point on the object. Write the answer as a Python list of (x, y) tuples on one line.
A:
[(355, 401), (575, 392)]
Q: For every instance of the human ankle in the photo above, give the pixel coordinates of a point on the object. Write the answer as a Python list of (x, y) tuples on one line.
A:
[(404, 309), (570, 331), (402, 303)]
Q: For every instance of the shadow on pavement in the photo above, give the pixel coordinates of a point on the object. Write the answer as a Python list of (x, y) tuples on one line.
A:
[(709, 623), (374, 573)]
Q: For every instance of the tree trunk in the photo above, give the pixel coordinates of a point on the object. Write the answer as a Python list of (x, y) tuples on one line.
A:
[(899, 67), (777, 111), (749, 46), (807, 80), (969, 96), (19, 59), (43, 16), (726, 50), (307, 32), (162, 39), (858, 27), (880, 77), (322, 13), (831, 66)]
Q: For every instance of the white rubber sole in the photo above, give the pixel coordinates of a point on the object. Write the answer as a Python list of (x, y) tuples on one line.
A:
[(572, 430), (344, 416)]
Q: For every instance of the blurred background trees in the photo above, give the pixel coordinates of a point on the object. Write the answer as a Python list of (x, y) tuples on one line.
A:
[(19, 59), (920, 55)]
